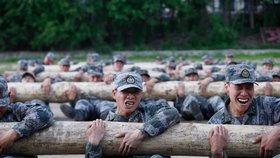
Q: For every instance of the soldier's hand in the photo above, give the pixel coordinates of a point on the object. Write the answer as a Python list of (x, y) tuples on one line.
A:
[(203, 84), (108, 78), (180, 89), (79, 76), (72, 92), (95, 131), (150, 85), (218, 137), (131, 140), (267, 89), (268, 143), (7, 139), (46, 86), (12, 94)]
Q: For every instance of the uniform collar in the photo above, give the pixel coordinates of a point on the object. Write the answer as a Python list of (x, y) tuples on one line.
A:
[(227, 117)]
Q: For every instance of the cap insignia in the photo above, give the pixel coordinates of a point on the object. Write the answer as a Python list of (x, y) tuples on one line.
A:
[(130, 80), (245, 73)]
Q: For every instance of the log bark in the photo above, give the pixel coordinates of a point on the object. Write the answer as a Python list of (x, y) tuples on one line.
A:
[(182, 139), (166, 90)]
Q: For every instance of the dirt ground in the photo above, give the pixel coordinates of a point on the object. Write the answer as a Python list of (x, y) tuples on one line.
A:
[(59, 116)]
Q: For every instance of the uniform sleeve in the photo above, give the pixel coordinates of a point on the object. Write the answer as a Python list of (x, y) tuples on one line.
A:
[(178, 103), (163, 78), (14, 78), (31, 118), (218, 77), (162, 117), (93, 151), (272, 106)]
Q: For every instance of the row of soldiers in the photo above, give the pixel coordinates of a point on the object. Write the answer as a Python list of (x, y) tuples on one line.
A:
[(129, 107)]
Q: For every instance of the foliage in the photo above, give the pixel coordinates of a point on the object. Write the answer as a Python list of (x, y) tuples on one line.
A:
[(115, 25)]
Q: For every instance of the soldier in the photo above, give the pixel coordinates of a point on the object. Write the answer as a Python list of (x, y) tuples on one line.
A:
[(119, 61), (84, 109), (128, 92), (64, 65), (159, 60), (229, 58), (92, 107), (27, 77), (49, 59), (265, 74), (268, 64), (193, 107), (30, 118), (22, 66), (243, 108)]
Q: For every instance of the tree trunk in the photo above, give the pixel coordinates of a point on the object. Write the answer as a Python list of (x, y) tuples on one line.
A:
[(165, 90), (182, 139), (251, 14)]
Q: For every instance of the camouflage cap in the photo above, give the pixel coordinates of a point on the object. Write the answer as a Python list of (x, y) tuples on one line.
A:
[(4, 96), (158, 58), (190, 70), (144, 72), (94, 56), (229, 54), (171, 59), (198, 66), (126, 80), (51, 56), (64, 61), (22, 64), (120, 57), (28, 74), (268, 61), (95, 72), (171, 64), (206, 57), (240, 73), (276, 74), (136, 69)]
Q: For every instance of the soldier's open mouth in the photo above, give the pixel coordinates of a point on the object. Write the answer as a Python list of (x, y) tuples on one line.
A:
[(243, 101)]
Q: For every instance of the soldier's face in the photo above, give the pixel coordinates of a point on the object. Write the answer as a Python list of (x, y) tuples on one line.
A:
[(27, 79), (95, 79), (127, 100), (268, 66), (191, 77), (241, 96), (65, 68), (3, 110), (145, 78), (118, 66)]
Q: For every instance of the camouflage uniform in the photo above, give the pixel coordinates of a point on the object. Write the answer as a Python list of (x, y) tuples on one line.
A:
[(157, 116), (194, 107), (30, 117), (263, 110), (22, 66), (91, 109)]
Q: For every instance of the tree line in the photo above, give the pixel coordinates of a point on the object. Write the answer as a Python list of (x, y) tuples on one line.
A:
[(105, 25)]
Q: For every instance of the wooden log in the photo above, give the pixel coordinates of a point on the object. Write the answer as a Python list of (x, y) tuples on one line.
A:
[(167, 90), (56, 67), (109, 68), (65, 76), (182, 139)]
